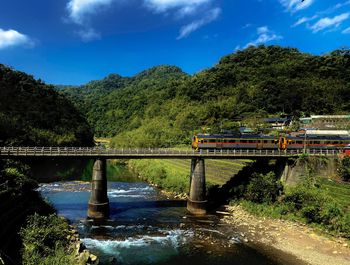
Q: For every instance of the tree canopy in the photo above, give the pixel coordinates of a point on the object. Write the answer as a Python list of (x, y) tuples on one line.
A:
[(165, 103), (33, 113)]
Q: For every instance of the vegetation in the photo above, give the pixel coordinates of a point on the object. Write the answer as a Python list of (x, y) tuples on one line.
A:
[(163, 106), (344, 168), (45, 241), (33, 113), (263, 188), (174, 175), (18, 201), (304, 202)]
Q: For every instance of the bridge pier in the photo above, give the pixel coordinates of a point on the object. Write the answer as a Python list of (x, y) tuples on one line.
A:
[(99, 204), (196, 203)]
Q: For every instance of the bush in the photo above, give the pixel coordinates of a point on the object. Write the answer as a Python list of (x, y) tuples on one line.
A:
[(315, 206), (263, 188), (43, 236), (344, 168)]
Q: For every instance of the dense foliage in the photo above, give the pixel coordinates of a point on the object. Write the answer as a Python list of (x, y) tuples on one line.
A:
[(309, 204), (32, 113), (263, 188), (344, 168), (45, 241), (163, 106), (116, 104), (18, 200)]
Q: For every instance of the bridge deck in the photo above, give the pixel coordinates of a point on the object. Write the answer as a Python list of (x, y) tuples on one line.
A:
[(156, 153)]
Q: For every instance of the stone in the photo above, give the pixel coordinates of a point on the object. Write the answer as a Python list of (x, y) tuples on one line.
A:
[(84, 257), (79, 247), (93, 258)]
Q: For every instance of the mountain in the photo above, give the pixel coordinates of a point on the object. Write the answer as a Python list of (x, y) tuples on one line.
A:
[(33, 113), (163, 106), (114, 104)]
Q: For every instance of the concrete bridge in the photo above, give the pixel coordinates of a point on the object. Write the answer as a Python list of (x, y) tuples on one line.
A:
[(196, 204)]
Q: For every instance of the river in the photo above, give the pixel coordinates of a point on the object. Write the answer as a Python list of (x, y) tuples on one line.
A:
[(145, 227)]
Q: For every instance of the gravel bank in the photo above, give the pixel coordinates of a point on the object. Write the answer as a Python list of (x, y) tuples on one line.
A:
[(290, 237)]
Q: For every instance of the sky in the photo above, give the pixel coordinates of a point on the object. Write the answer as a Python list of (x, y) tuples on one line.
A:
[(72, 42)]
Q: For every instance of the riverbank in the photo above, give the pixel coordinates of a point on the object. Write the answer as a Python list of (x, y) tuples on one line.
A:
[(290, 237)]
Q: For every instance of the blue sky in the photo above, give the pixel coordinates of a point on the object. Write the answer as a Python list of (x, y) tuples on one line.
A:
[(75, 41)]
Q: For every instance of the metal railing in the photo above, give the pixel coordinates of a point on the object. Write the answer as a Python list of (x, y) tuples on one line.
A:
[(157, 152)]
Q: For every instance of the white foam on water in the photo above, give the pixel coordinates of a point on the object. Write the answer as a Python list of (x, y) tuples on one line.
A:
[(132, 192), (173, 238), (126, 196)]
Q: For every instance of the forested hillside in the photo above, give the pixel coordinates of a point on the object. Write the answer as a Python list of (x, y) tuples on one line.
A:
[(163, 106), (33, 113)]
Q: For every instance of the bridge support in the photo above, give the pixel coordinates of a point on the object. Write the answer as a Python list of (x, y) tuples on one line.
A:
[(196, 203), (99, 203)]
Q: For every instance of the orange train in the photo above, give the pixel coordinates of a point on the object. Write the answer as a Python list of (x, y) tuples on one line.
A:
[(260, 141)]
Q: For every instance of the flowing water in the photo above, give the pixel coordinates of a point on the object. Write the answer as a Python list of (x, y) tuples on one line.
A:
[(145, 227)]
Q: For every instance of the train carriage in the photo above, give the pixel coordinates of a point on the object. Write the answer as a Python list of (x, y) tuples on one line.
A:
[(260, 141)]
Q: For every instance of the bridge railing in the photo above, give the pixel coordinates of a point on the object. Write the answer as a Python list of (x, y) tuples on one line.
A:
[(153, 152)]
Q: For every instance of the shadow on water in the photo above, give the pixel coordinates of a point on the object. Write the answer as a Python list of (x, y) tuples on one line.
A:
[(118, 207)]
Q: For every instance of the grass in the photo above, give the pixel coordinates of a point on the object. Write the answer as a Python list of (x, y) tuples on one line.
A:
[(324, 206), (340, 192), (173, 174)]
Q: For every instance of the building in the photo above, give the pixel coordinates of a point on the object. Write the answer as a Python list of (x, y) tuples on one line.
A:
[(278, 123), (326, 122)]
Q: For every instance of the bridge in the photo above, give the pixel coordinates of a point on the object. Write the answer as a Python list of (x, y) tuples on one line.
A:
[(196, 203), (158, 153)]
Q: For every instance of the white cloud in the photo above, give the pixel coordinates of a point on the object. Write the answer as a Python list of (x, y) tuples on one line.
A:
[(346, 31), (186, 6), (210, 16), (296, 5), (89, 35), (78, 9), (9, 38), (335, 7), (264, 35), (303, 20), (327, 22)]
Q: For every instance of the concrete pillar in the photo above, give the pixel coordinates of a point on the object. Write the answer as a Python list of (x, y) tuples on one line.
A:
[(196, 203), (99, 203)]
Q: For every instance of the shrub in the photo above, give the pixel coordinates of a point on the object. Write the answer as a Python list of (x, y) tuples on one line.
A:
[(315, 206), (344, 168), (43, 235), (263, 188)]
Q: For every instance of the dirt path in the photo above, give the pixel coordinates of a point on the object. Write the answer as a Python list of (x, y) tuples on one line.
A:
[(290, 237)]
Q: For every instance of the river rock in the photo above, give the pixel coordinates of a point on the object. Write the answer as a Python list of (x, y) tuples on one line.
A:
[(93, 259), (84, 257), (79, 247)]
